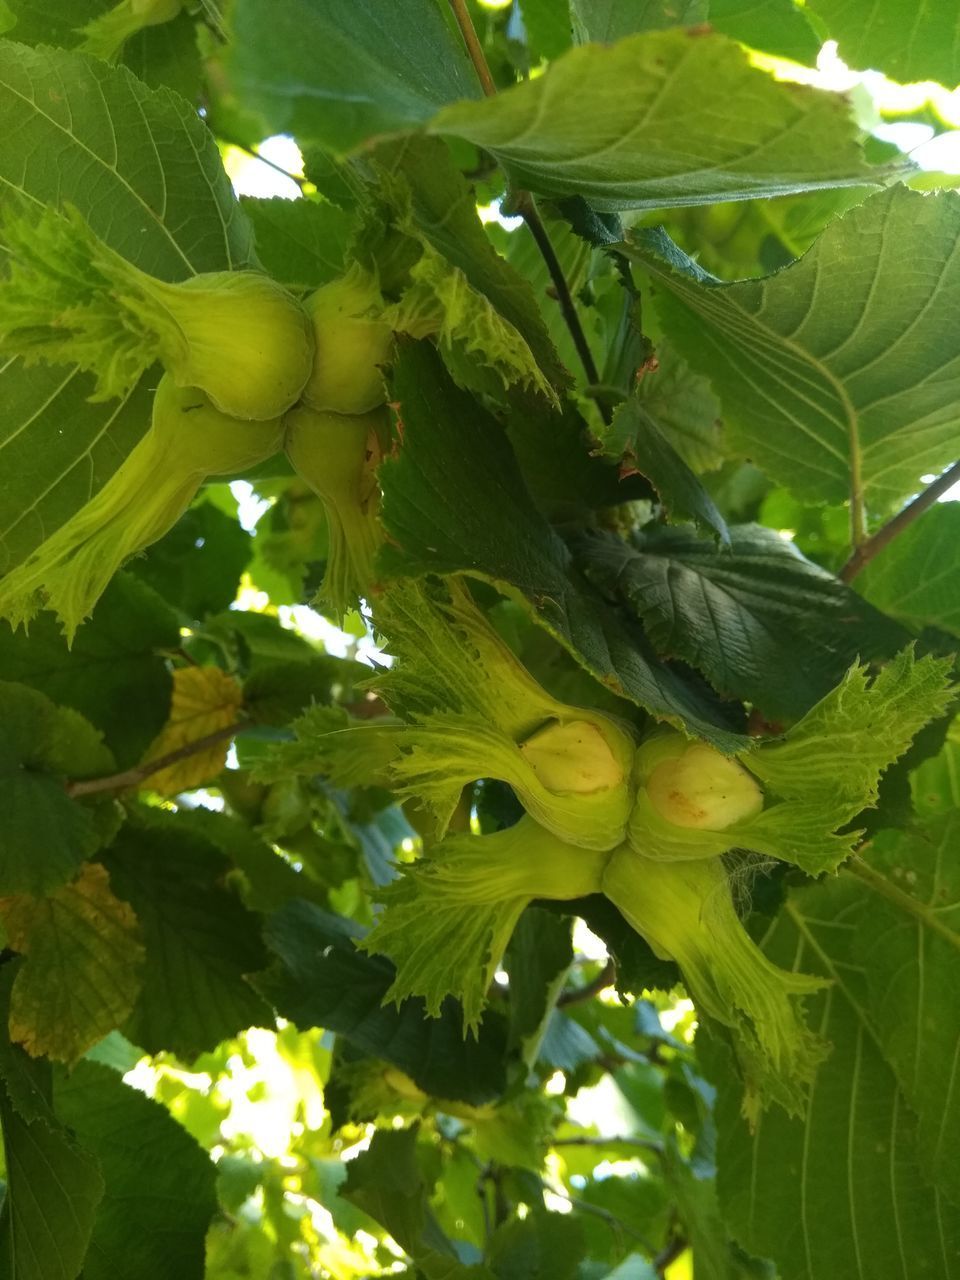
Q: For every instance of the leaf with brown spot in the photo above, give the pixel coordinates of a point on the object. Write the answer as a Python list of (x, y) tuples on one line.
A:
[(80, 975)]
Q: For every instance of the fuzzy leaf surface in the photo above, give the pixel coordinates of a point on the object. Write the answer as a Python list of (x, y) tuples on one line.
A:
[(837, 374), (650, 123), (841, 1191), (200, 941), (760, 621)]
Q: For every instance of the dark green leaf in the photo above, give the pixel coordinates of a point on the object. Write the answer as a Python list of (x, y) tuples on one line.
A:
[(197, 566), (159, 1195), (760, 621), (681, 493), (53, 1188), (320, 979), (538, 958), (547, 24), (200, 941), (779, 27), (53, 1184), (340, 76), (115, 663), (454, 501), (386, 1182), (607, 21), (168, 54), (539, 1246), (276, 692), (44, 835)]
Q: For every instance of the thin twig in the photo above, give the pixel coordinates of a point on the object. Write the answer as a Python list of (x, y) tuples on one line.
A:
[(474, 48), (871, 546), (525, 205), (670, 1253), (271, 164), (133, 777), (603, 979)]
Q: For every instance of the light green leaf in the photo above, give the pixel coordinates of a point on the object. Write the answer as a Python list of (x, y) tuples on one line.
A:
[(916, 578), (839, 1192), (159, 1195), (435, 203), (836, 375), (662, 119), (684, 408), (200, 941), (81, 975), (343, 75), (44, 835), (921, 43), (449, 919), (761, 622), (817, 777), (301, 243), (908, 942), (140, 165), (827, 767)]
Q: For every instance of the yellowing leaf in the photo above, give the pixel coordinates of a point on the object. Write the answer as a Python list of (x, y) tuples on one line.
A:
[(81, 974), (205, 700)]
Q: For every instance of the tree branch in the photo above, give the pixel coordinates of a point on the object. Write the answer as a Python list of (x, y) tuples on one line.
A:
[(590, 989), (865, 552), (139, 773), (670, 1253), (526, 206), (474, 48)]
